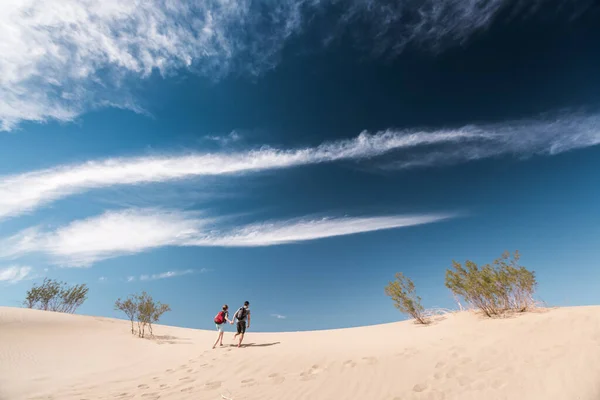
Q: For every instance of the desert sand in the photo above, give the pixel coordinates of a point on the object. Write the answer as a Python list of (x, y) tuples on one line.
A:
[(550, 354)]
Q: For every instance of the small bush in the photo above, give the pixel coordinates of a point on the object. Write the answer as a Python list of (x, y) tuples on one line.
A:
[(143, 309), (494, 289), (402, 292), (129, 307), (53, 295)]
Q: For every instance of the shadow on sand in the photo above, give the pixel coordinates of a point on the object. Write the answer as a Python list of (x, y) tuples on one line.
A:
[(167, 339), (256, 344)]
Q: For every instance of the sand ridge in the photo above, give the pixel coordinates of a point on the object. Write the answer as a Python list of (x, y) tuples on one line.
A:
[(545, 355)]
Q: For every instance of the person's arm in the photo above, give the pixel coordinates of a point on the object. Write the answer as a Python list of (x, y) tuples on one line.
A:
[(248, 320)]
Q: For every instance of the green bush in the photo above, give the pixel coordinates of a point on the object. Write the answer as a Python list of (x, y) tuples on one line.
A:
[(54, 295), (494, 289), (143, 309), (402, 291)]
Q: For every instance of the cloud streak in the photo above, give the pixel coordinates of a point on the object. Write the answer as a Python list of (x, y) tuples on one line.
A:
[(114, 234), (62, 58), (15, 273), (412, 148), (165, 275)]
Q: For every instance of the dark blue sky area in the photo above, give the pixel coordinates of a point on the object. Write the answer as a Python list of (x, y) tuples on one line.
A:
[(544, 205)]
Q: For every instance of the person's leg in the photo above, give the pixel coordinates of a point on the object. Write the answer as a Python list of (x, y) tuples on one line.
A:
[(221, 337), (242, 332), (239, 329)]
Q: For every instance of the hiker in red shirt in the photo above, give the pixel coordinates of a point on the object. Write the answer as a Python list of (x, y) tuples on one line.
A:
[(220, 319)]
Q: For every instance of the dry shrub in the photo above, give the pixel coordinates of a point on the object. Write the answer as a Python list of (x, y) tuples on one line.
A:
[(143, 309), (402, 291), (494, 289), (54, 295)]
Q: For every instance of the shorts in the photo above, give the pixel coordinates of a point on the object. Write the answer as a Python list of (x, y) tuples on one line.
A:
[(220, 327), (241, 327)]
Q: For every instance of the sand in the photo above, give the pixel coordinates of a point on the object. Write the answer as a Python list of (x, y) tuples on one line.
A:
[(554, 354)]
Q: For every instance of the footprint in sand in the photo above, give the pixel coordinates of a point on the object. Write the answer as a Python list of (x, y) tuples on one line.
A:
[(276, 379), (187, 389), (151, 395), (440, 364), (349, 363), (370, 360), (248, 382), (189, 371), (451, 374), (465, 360), (311, 373), (164, 386), (187, 379), (420, 387), (212, 385), (464, 380), (480, 385), (143, 386), (408, 353), (497, 384), (169, 371)]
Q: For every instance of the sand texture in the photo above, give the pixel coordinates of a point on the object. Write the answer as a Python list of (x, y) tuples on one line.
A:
[(552, 354)]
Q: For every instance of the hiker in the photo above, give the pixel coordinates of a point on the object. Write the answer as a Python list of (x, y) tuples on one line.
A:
[(220, 319), (241, 315)]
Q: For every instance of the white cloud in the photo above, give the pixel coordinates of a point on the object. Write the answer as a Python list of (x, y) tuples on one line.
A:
[(14, 274), (112, 234), (164, 275), (130, 278), (225, 140), (102, 279), (81, 243), (278, 316), (24, 192), (62, 58), (291, 231)]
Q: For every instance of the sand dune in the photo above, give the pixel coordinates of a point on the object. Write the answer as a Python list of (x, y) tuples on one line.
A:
[(546, 355)]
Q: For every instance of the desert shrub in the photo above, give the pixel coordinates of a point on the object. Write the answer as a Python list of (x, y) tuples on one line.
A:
[(402, 291), (494, 288), (129, 307), (143, 309), (54, 295)]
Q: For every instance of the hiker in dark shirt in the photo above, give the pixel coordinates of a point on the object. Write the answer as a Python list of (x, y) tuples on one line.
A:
[(220, 320), (242, 314)]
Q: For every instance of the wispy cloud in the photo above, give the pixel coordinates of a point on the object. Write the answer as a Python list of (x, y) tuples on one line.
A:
[(102, 279), (164, 275), (109, 235), (412, 148), (226, 139), (113, 234), (298, 230), (62, 58), (15, 273), (278, 316)]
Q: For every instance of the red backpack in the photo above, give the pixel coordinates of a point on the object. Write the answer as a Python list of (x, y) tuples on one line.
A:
[(220, 318)]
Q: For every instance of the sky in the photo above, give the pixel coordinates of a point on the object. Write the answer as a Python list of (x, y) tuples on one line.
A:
[(296, 153)]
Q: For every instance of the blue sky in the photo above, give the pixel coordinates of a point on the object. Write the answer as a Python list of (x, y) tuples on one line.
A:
[(296, 154)]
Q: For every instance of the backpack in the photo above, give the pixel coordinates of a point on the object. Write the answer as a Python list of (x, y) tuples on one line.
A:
[(241, 313), (220, 318)]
